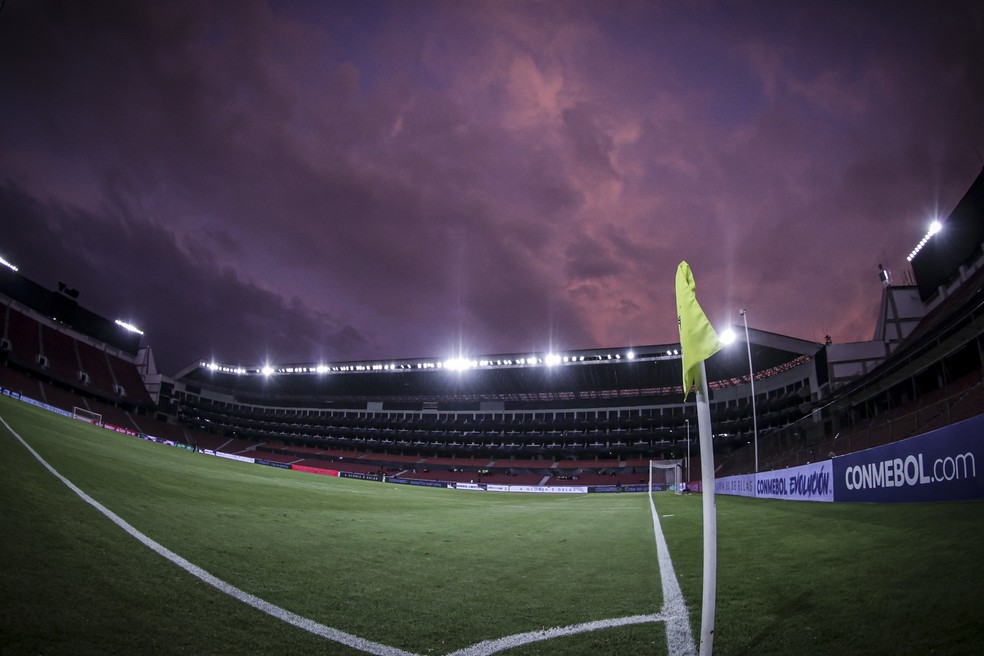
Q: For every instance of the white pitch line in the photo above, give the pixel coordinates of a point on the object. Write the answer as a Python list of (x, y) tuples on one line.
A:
[(679, 638), (674, 613), (488, 647), (273, 610)]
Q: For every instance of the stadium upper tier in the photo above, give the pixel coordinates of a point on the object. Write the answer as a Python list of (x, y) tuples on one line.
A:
[(573, 376)]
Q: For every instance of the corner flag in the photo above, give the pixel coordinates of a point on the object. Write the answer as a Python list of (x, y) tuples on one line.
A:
[(698, 341)]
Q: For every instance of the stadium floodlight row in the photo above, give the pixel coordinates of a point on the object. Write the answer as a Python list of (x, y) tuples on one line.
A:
[(620, 404)]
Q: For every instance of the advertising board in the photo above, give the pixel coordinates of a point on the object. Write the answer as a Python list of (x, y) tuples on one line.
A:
[(937, 466)]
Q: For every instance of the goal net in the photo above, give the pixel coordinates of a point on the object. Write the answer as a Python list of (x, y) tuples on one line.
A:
[(665, 475), (87, 415)]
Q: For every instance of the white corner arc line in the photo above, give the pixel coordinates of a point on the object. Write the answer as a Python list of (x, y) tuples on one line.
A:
[(679, 637), (488, 647), (327, 632), (671, 613)]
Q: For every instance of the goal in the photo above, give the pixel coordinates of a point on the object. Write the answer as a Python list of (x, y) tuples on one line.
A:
[(666, 475), (87, 416)]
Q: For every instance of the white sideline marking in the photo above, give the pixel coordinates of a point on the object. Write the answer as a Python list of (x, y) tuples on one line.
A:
[(679, 639), (282, 614), (674, 612)]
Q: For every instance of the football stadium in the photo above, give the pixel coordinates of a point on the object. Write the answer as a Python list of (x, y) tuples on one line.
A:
[(521, 503)]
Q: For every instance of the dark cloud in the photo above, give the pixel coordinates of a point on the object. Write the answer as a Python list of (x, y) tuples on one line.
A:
[(138, 271), (302, 180)]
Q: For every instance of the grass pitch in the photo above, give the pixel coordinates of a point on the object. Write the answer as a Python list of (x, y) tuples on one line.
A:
[(432, 571)]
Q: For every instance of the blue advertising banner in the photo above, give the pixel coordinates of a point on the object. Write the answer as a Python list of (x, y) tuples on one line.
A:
[(937, 466), (423, 483), (270, 463), (740, 485), (812, 482)]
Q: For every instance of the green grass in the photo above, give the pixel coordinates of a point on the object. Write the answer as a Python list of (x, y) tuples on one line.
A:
[(421, 569), (431, 571), (816, 578)]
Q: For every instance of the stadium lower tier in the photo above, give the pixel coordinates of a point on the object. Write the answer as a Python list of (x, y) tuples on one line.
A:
[(606, 446), (452, 470)]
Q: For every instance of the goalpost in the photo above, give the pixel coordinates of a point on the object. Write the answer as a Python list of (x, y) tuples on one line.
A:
[(668, 473), (88, 416)]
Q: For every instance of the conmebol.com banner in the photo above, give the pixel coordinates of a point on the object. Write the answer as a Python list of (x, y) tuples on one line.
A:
[(943, 465)]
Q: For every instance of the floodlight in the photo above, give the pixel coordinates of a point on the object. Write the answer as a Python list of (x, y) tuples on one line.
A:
[(7, 264), (934, 228), (630, 355), (459, 364), (727, 336), (127, 326), (266, 370), (552, 359)]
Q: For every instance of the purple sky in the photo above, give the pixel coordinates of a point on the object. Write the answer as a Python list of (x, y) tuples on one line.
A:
[(298, 181)]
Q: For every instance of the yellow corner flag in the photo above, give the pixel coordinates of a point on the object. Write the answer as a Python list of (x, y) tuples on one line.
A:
[(698, 341)]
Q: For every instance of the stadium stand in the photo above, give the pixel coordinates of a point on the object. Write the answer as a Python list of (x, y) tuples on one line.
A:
[(112, 414), (238, 446), (609, 411), (206, 441), (448, 463), (161, 429), (24, 337), (61, 398), (272, 456), (441, 475), (593, 415), (127, 380), (97, 369), (20, 383), (59, 351), (390, 458)]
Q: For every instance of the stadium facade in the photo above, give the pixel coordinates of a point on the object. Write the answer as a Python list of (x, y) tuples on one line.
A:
[(595, 415)]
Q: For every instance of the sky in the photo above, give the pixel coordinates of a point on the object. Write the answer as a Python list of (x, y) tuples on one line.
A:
[(312, 181)]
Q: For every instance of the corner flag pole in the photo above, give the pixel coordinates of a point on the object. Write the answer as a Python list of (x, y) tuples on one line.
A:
[(698, 341), (710, 515)]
